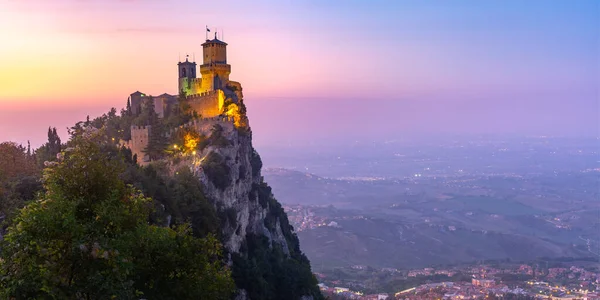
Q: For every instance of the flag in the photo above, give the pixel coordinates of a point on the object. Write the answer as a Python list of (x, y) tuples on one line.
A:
[(207, 30)]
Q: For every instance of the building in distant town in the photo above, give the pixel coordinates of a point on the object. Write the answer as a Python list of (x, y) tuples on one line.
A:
[(484, 282)]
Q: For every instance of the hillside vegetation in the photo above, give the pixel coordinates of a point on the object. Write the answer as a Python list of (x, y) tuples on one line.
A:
[(97, 225)]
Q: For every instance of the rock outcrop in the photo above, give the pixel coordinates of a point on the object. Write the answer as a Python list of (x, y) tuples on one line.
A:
[(238, 195), (262, 248)]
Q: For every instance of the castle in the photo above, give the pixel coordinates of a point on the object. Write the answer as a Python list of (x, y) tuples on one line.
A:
[(205, 95)]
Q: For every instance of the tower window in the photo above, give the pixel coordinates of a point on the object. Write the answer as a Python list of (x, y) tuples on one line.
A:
[(183, 74)]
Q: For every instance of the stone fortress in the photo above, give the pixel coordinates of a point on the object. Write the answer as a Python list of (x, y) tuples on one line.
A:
[(205, 95)]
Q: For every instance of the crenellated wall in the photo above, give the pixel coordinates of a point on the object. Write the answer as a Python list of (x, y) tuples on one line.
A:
[(207, 104)]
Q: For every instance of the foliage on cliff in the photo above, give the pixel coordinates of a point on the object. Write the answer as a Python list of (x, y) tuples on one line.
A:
[(179, 196), (217, 171), (88, 237), (262, 267), (168, 199)]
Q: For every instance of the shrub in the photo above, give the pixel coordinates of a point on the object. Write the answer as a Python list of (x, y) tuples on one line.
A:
[(216, 137), (256, 163), (217, 171)]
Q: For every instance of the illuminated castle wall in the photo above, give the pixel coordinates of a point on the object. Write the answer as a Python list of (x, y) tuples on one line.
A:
[(205, 95), (208, 104), (214, 70)]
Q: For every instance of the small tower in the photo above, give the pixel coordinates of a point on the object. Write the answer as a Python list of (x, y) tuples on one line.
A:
[(215, 70), (187, 72)]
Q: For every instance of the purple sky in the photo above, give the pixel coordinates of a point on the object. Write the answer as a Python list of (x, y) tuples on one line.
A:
[(316, 70)]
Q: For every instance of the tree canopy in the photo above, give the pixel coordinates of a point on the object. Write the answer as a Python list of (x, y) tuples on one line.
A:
[(19, 176), (50, 149), (88, 237)]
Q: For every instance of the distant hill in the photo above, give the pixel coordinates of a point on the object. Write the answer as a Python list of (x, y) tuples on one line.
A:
[(407, 224)]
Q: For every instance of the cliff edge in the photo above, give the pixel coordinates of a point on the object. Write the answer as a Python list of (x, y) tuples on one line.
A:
[(263, 250)]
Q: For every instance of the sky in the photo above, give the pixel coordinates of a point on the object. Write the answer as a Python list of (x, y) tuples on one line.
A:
[(313, 69)]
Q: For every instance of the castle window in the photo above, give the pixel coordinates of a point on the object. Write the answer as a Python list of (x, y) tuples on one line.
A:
[(183, 73)]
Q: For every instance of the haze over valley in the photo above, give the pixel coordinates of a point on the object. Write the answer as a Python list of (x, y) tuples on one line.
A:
[(416, 204)]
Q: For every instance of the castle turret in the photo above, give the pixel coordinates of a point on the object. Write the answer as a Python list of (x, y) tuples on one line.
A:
[(187, 74), (140, 136), (215, 70)]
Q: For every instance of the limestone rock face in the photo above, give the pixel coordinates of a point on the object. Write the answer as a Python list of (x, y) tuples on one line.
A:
[(254, 228), (238, 195)]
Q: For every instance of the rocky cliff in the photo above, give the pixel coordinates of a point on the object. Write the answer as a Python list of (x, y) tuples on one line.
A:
[(263, 249), (238, 192)]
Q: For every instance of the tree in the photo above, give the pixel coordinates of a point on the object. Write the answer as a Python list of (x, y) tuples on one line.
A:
[(179, 113), (19, 176), (192, 205), (128, 109), (15, 162), (48, 151), (88, 237), (157, 142), (147, 114)]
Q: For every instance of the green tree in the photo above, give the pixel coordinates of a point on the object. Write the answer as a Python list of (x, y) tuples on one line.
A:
[(128, 110), (88, 237), (179, 113), (157, 141), (192, 206), (19, 176), (263, 269), (50, 149)]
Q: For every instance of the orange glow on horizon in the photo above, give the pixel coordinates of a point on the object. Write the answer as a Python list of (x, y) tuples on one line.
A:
[(68, 54)]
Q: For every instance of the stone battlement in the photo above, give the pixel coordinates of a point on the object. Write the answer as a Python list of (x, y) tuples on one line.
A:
[(200, 95), (134, 127), (208, 104)]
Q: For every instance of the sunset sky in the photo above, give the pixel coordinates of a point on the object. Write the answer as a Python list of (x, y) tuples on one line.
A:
[(529, 67)]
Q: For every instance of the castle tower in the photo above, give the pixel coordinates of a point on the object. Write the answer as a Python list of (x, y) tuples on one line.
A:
[(214, 69), (140, 136), (187, 74)]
